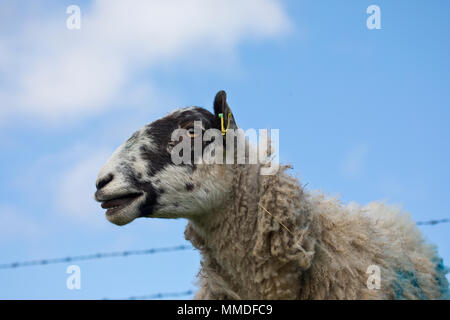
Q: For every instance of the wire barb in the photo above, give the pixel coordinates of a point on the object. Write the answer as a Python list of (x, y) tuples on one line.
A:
[(93, 256), (433, 222), (102, 255), (159, 295)]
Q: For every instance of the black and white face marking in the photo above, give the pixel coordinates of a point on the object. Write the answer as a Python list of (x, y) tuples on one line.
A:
[(140, 179)]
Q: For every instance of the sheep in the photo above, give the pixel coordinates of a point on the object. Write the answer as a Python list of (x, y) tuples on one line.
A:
[(265, 236)]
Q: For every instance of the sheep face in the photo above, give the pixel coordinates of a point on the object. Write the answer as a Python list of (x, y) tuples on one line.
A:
[(141, 180)]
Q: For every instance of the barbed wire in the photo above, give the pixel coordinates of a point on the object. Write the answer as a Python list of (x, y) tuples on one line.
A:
[(433, 222), (160, 295), (93, 256), (127, 253)]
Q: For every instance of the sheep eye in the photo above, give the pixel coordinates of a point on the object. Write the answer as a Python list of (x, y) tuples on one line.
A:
[(191, 133)]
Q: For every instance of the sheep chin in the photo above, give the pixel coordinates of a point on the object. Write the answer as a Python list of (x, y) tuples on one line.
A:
[(124, 215)]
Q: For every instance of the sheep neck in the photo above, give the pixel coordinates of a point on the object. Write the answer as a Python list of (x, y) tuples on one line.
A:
[(230, 241)]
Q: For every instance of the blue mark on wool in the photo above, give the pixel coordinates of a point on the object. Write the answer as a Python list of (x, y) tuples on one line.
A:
[(441, 271), (398, 290), (406, 277)]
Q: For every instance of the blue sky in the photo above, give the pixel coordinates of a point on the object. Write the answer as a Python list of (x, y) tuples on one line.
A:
[(363, 114)]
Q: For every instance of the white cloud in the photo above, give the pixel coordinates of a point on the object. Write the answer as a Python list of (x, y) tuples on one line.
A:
[(62, 184), (353, 163), (54, 72), (17, 225), (75, 189)]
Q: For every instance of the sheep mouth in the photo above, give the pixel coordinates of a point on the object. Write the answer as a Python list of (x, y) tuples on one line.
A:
[(116, 204)]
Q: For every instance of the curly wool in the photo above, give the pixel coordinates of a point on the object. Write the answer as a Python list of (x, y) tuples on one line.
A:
[(307, 246)]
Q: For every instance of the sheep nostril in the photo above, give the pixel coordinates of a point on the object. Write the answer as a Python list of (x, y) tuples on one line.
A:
[(104, 181)]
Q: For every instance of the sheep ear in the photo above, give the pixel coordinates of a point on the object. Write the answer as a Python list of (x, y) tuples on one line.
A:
[(221, 107)]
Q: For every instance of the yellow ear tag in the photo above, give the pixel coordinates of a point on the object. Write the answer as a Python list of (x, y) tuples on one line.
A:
[(224, 131)]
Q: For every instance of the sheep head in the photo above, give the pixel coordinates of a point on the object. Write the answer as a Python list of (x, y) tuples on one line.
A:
[(141, 179)]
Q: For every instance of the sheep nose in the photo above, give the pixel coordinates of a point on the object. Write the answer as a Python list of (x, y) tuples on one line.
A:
[(103, 181)]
